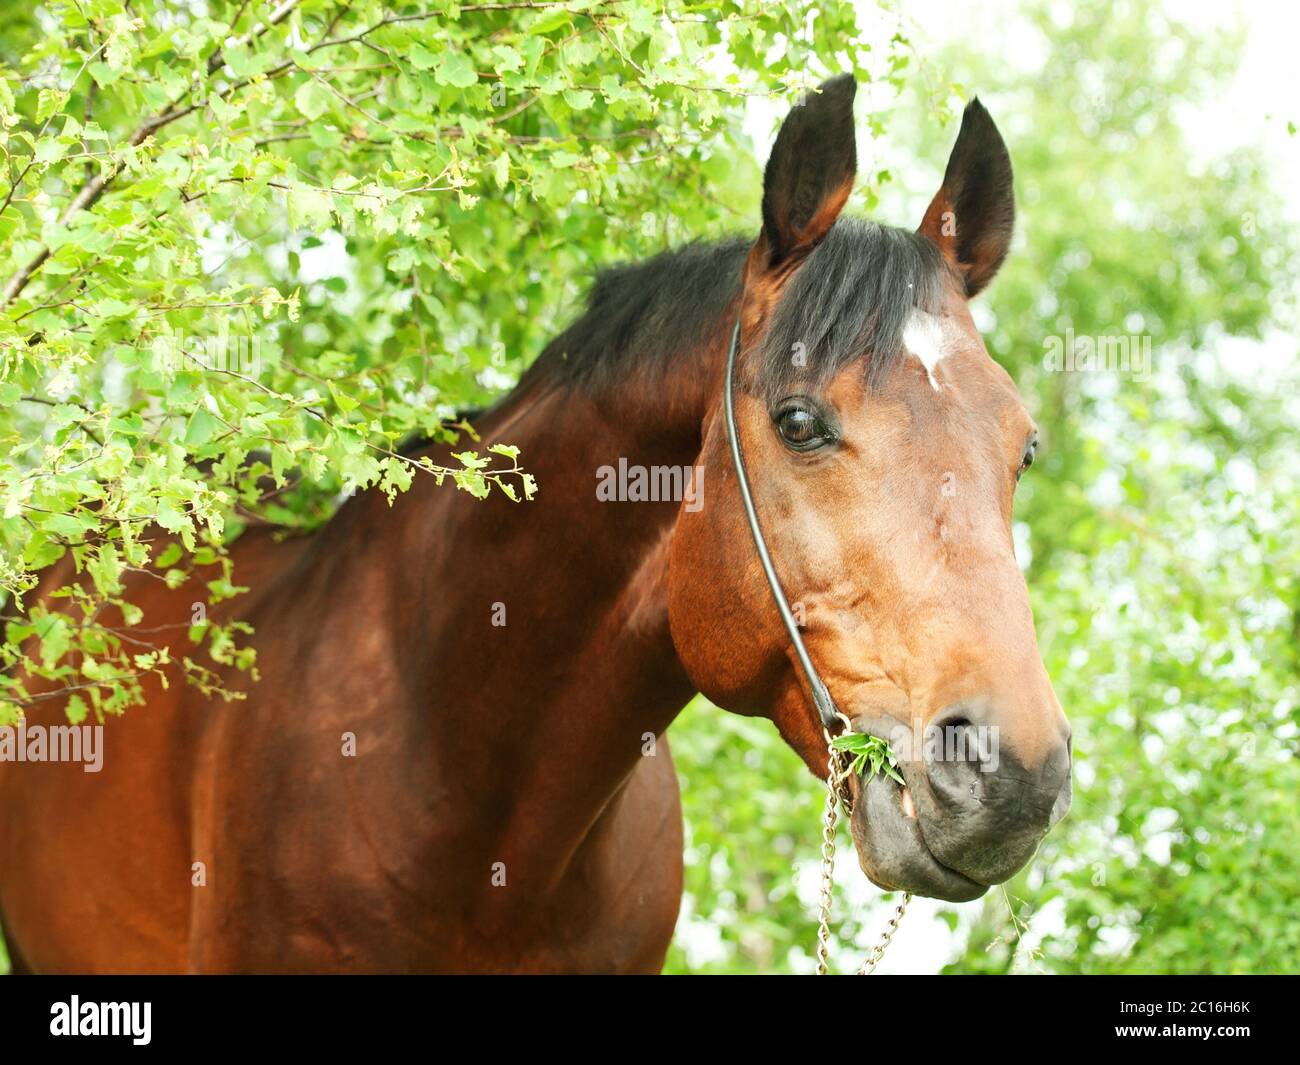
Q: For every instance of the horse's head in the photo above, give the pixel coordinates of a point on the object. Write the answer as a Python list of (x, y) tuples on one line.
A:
[(884, 446)]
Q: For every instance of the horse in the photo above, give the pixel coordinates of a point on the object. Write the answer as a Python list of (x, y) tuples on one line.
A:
[(506, 672)]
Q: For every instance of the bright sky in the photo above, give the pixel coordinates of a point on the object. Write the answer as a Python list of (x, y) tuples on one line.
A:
[(1255, 109)]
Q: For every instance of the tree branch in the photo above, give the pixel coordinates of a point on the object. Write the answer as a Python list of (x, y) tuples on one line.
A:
[(94, 189)]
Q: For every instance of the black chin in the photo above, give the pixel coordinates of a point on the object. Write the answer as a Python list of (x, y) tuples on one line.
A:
[(892, 851)]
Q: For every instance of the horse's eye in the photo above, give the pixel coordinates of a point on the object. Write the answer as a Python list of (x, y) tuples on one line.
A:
[(801, 429), (1027, 459)]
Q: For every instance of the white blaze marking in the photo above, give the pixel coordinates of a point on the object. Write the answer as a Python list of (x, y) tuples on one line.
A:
[(926, 337)]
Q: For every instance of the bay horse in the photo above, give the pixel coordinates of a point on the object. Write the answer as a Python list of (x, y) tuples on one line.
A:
[(508, 671)]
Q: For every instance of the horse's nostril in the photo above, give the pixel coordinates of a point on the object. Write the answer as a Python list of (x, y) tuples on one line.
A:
[(954, 764), (993, 784)]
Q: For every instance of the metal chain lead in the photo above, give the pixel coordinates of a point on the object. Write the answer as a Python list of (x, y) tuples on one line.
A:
[(873, 959), (836, 795), (829, 819)]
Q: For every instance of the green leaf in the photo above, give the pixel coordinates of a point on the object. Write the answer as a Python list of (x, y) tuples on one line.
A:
[(48, 101), (76, 709), (455, 68), (168, 556), (550, 20), (420, 57), (55, 637), (49, 150), (201, 427), (312, 99)]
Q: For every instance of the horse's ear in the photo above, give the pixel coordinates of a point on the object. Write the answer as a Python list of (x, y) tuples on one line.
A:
[(972, 214), (810, 173)]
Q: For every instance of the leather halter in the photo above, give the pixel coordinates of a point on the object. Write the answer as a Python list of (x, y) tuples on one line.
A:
[(830, 716)]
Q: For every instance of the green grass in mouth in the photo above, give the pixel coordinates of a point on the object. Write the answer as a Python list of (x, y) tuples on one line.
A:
[(870, 754)]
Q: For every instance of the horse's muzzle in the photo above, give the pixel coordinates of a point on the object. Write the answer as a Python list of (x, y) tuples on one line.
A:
[(970, 815)]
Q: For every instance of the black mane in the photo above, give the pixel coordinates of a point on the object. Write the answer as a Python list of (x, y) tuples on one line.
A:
[(850, 299)]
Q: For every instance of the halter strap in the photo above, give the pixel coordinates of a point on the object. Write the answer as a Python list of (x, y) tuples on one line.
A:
[(826, 709)]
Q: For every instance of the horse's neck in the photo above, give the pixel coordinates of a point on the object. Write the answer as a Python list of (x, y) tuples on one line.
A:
[(545, 647)]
